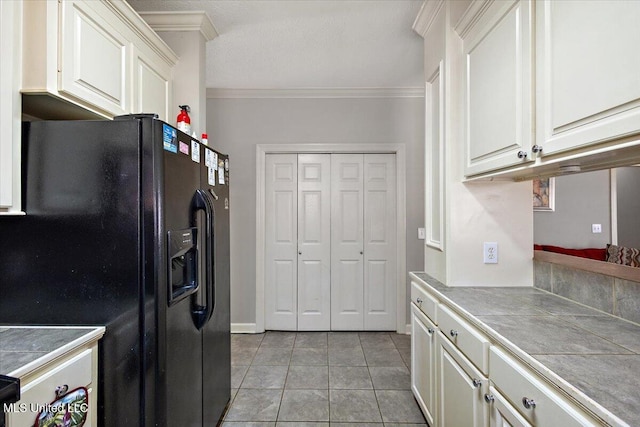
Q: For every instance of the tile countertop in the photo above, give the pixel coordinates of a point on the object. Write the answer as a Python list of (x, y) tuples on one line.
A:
[(592, 356), (24, 349)]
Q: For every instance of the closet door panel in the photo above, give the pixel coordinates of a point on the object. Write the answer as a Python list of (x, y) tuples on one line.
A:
[(347, 231), (314, 242), (281, 263), (379, 242)]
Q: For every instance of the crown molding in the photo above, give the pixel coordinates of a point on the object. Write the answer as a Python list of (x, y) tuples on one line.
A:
[(408, 92), (182, 21), (471, 16), (141, 27), (426, 16)]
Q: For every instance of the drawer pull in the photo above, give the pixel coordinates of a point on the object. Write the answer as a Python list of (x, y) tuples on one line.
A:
[(419, 300), (453, 333), (489, 398), (61, 390), (528, 403), (477, 383), (430, 331)]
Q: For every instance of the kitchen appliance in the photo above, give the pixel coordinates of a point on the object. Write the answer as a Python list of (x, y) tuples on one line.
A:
[(127, 226)]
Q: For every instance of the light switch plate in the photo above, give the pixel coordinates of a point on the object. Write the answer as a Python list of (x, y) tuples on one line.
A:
[(422, 233)]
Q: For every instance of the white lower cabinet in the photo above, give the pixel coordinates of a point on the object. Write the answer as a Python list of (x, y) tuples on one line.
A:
[(501, 413), (38, 389), (423, 366), (536, 401), (463, 376), (460, 388)]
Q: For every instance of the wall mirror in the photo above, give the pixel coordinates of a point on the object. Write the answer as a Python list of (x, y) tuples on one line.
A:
[(606, 201)]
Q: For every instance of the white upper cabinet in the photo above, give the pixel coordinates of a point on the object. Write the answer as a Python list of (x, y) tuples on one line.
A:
[(588, 72), (10, 105), (152, 81), (99, 56), (497, 43), (93, 57)]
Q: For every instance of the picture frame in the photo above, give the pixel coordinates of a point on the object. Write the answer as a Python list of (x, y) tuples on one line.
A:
[(544, 195)]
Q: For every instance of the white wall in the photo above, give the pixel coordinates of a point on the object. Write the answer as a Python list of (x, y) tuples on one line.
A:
[(580, 201), (235, 126)]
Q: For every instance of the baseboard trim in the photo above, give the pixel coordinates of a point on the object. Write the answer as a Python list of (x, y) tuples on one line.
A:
[(243, 328)]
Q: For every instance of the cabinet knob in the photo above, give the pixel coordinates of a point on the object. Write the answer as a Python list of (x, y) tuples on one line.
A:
[(489, 398), (453, 333), (430, 331), (528, 403), (419, 300), (536, 149), (522, 155), (477, 383)]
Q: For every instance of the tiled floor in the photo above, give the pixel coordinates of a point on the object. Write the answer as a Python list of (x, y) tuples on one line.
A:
[(321, 379)]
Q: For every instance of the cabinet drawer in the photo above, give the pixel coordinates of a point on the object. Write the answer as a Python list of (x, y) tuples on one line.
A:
[(469, 340), (535, 400), (75, 372), (425, 302)]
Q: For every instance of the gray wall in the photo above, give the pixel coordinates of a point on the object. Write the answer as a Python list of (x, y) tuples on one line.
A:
[(581, 200), (235, 126), (628, 195)]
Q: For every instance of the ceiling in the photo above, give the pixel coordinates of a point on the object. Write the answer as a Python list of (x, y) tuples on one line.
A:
[(286, 44)]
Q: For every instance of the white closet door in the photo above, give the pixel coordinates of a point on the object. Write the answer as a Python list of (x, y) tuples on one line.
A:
[(281, 260), (379, 242), (314, 242), (347, 230)]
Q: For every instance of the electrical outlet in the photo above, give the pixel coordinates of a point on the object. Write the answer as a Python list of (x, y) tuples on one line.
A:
[(422, 233), (490, 253), (596, 228)]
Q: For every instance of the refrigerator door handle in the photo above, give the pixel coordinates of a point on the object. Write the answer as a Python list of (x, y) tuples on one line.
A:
[(202, 314)]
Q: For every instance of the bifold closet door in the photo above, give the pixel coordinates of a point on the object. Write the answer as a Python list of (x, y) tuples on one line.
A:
[(281, 241), (347, 242), (363, 242), (314, 242), (298, 248), (380, 242)]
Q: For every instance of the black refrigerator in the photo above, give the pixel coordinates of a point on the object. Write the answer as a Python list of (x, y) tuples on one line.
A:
[(127, 226)]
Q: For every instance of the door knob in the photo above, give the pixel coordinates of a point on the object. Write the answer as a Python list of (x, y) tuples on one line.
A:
[(299, 253)]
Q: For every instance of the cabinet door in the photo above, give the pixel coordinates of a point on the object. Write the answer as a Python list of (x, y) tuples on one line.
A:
[(588, 72), (152, 85), (461, 388), (10, 106), (498, 86), (314, 242), (423, 357), (501, 413), (93, 57)]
